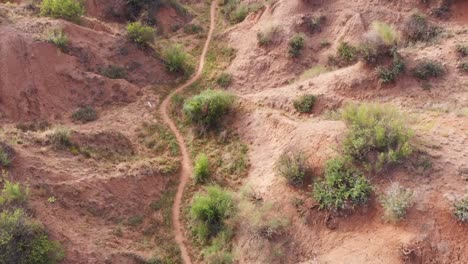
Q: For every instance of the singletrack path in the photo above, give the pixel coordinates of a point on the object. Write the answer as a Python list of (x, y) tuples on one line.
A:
[(186, 162)]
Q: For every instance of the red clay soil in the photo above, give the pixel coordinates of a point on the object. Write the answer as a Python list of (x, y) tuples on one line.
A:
[(186, 168)]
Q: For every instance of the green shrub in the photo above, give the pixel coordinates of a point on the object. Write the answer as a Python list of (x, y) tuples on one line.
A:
[(386, 33), (201, 171), (114, 72), (5, 155), (347, 53), (377, 134), (395, 202), (239, 14), (84, 114), (343, 186), (58, 38), (305, 103), (209, 212), (460, 210), (207, 108), (293, 166), (224, 79), (67, 9), (177, 60), (417, 28), (60, 137), (140, 34), (427, 69), (296, 45), (25, 241), (14, 194)]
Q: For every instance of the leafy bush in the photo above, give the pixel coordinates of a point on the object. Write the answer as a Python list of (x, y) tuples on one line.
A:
[(201, 171), (296, 45), (224, 79), (114, 72), (417, 28), (84, 114), (343, 187), (177, 60), (140, 34), (207, 108), (462, 49), (305, 103), (67, 9), (426, 69), (5, 155), (460, 210), (58, 38), (14, 194), (25, 241), (60, 137), (209, 212), (377, 134), (347, 53), (395, 202), (293, 166)]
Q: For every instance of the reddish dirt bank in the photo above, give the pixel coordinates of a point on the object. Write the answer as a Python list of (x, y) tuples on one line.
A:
[(186, 162)]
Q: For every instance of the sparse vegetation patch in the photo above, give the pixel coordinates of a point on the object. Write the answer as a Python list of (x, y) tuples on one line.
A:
[(139, 33), (305, 103), (418, 28), (296, 45), (84, 114), (177, 60), (460, 210), (58, 38), (201, 171), (396, 202), (293, 167), (427, 69), (67, 9)]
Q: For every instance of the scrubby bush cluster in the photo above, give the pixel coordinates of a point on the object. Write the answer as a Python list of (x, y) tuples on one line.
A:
[(201, 171), (342, 187), (462, 49), (23, 240), (139, 33), (235, 11), (296, 45), (58, 38), (177, 60), (427, 69), (67, 9), (60, 138), (314, 24), (5, 155), (224, 79), (377, 135), (84, 114), (396, 202), (206, 109), (460, 210), (293, 167), (418, 28), (347, 53), (305, 103), (268, 36), (114, 72), (209, 212), (388, 74)]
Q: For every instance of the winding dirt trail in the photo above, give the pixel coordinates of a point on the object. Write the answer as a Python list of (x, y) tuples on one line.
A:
[(186, 162)]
